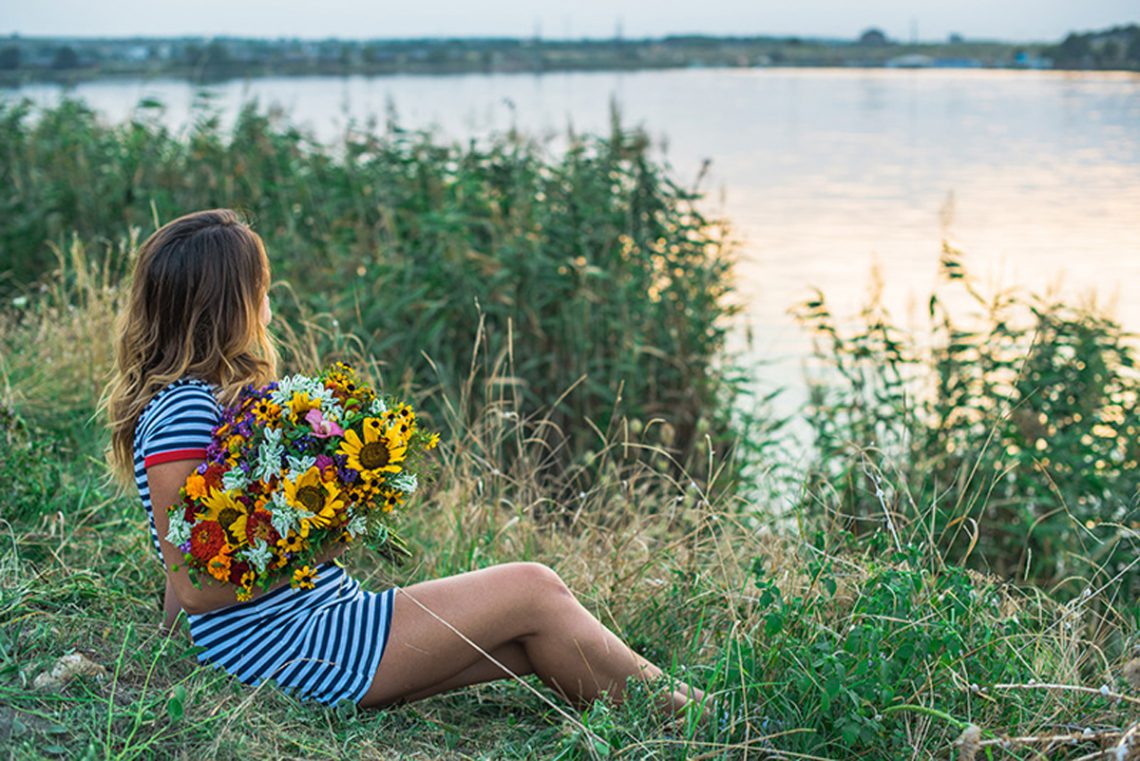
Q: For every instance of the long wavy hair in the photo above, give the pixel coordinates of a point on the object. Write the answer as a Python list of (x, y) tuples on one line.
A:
[(194, 310)]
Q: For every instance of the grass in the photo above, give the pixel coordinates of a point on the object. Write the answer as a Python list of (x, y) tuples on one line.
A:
[(813, 643)]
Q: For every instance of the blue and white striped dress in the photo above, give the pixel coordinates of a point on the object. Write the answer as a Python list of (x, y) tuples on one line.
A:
[(322, 644)]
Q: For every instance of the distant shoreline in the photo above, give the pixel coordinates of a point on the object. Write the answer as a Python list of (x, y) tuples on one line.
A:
[(68, 61)]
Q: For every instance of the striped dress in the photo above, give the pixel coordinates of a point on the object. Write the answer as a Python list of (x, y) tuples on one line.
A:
[(323, 644)]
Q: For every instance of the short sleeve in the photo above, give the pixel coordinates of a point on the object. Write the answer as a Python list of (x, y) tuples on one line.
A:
[(181, 426)]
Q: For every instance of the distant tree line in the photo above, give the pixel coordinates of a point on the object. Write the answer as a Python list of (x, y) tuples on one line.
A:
[(1115, 48), (225, 57)]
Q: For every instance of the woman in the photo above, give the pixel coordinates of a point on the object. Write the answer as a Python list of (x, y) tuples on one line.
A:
[(193, 334)]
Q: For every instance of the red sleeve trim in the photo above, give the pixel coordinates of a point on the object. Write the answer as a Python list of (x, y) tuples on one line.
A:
[(173, 455)]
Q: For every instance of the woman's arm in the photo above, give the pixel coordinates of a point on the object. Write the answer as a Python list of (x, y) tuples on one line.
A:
[(165, 480)]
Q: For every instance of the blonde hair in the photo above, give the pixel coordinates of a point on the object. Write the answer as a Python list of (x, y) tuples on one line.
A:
[(194, 310)]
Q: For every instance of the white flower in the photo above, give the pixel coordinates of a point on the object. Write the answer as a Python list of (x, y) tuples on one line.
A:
[(286, 387), (357, 526), (378, 407), (404, 481), (273, 437), (299, 465), (179, 532), (258, 554), (269, 455), (234, 479), (284, 518), (332, 410)]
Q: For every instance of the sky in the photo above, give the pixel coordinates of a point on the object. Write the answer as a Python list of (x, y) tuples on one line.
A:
[(1012, 20)]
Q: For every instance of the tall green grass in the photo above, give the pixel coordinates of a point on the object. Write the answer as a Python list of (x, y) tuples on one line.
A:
[(1007, 436), (594, 267)]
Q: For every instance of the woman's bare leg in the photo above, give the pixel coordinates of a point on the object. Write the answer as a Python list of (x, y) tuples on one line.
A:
[(525, 605), (513, 656), (170, 608)]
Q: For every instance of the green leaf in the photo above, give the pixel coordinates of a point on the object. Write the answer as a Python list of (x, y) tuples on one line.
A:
[(176, 706)]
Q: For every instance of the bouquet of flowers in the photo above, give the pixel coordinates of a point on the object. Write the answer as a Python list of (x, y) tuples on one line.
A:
[(293, 467)]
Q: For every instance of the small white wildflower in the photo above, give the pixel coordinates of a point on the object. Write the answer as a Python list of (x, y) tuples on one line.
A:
[(179, 532), (1104, 690), (299, 465), (332, 410), (286, 387), (235, 479), (357, 526), (377, 407), (269, 456), (258, 554), (405, 482), (284, 518)]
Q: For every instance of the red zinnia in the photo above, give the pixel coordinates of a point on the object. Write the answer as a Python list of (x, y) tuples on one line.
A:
[(237, 570), (260, 526), (206, 539), (213, 475)]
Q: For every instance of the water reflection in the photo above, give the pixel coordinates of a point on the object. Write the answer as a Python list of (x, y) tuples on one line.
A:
[(821, 171)]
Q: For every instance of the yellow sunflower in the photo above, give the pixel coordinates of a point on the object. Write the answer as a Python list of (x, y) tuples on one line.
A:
[(374, 454), (300, 405), (292, 543), (230, 514), (315, 495)]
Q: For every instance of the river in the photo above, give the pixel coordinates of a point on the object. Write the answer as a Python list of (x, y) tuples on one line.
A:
[(823, 173)]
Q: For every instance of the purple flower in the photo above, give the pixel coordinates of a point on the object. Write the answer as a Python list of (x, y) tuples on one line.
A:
[(202, 469), (324, 461), (185, 546), (348, 475)]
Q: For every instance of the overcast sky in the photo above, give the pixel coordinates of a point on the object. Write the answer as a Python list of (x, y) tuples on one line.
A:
[(1015, 20)]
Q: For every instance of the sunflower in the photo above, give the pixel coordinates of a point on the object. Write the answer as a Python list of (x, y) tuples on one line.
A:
[(378, 452), (304, 578), (300, 405), (314, 495), (231, 514)]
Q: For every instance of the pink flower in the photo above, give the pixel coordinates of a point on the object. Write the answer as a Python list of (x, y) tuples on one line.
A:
[(322, 428)]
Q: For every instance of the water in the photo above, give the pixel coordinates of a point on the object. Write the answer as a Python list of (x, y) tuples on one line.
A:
[(822, 173)]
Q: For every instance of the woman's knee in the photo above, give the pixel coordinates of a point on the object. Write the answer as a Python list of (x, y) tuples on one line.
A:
[(539, 581)]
